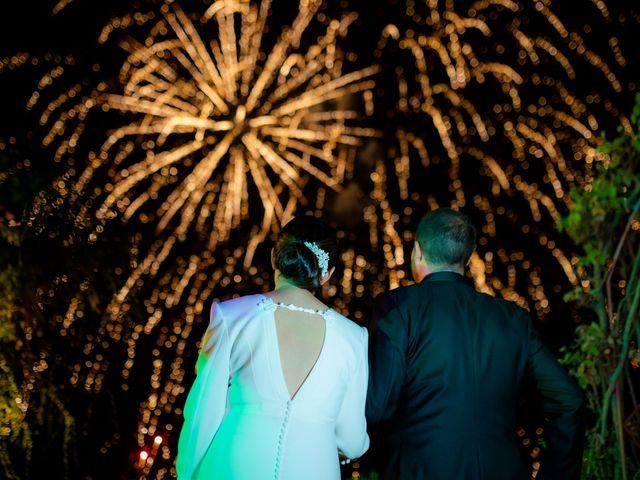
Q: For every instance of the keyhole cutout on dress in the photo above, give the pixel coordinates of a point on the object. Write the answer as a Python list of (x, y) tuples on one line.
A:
[(301, 337)]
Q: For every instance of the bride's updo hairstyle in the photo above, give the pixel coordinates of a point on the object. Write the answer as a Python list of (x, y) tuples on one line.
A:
[(305, 245)]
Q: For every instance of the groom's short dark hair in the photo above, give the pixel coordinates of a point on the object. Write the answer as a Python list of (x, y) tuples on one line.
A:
[(446, 237)]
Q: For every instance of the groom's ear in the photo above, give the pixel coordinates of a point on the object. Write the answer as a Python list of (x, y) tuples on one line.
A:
[(470, 257), (273, 260), (418, 250)]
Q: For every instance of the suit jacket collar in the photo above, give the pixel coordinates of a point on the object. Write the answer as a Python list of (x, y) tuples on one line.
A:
[(445, 277)]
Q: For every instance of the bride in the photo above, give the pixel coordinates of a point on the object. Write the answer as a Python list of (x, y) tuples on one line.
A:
[(281, 378)]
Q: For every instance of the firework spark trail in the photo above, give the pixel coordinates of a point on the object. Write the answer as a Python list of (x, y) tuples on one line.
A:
[(445, 93), (205, 121), (209, 120), (180, 90)]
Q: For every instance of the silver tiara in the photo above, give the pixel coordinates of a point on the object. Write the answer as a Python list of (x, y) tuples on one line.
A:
[(321, 255)]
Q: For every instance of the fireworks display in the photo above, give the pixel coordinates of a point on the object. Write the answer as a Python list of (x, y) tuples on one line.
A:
[(217, 121), (211, 132), (488, 101), (205, 122)]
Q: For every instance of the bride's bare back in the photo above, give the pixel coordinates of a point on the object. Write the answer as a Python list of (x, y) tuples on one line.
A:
[(301, 336)]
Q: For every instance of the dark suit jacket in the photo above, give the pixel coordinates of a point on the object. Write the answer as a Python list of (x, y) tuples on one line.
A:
[(447, 365)]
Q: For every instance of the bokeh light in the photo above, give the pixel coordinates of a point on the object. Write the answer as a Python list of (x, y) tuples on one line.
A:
[(198, 127)]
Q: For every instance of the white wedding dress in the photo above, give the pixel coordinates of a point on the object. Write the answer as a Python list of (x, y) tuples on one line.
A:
[(240, 422)]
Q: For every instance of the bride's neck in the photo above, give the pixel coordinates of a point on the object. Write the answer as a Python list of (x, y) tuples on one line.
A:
[(286, 291), (283, 284)]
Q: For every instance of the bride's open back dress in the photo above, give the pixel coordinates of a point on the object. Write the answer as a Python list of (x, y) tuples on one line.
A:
[(241, 421)]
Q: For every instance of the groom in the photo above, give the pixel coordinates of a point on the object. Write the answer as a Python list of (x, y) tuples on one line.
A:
[(447, 365)]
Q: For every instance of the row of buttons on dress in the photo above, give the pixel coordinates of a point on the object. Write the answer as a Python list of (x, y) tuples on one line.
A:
[(283, 427)]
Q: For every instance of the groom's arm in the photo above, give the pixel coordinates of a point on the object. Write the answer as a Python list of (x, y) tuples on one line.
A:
[(387, 361), (563, 405)]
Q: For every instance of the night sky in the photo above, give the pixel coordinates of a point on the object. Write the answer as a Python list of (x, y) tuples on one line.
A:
[(495, 108)]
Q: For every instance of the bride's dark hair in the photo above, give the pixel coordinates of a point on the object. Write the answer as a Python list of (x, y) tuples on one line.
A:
[(295, 260)]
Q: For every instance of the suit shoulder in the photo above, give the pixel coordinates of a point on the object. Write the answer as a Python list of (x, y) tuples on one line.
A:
[(508, 307), (398, 295)]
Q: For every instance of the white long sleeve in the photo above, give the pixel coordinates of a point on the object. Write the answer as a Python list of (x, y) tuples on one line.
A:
[(206, 404), (351, 425)]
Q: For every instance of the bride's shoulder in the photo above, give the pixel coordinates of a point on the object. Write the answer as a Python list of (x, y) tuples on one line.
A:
[(242, 301), (350, 339), (238, 307), (347, 326)]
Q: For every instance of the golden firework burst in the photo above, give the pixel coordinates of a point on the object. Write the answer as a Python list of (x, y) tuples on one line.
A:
[(503, 108), (209, 116), (207, 128), (209, 120), (214, 118)]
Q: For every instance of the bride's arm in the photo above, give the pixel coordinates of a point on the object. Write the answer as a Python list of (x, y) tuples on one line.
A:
[(206, 402), (351, 425)]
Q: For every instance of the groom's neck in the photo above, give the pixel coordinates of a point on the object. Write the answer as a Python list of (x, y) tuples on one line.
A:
[(451, 269)]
